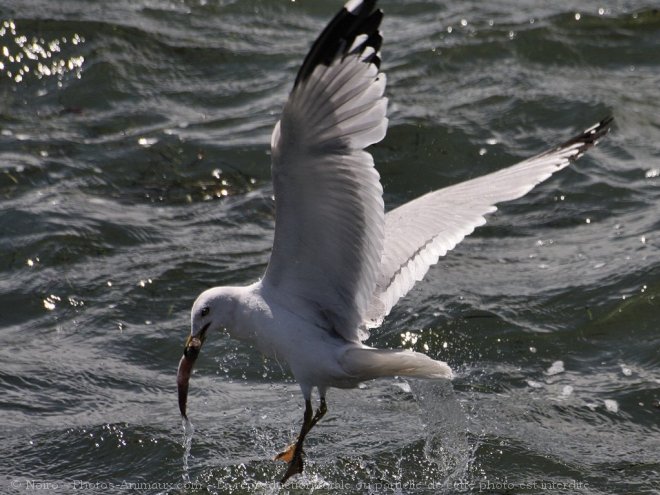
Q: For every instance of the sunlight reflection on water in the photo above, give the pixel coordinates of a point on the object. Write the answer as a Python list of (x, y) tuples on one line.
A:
[(23, 57)]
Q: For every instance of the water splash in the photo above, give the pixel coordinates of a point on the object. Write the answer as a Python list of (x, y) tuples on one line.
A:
[(188, 432), (447, 443)]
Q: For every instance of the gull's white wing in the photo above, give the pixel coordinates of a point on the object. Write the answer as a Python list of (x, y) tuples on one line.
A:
[(419, 232), (329, 216)]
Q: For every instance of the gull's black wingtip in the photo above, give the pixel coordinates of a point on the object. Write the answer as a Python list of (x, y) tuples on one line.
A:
[(600, 129), (356, 18), (587, 139)]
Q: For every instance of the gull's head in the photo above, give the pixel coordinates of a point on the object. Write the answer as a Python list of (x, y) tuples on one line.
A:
[(212, 311)]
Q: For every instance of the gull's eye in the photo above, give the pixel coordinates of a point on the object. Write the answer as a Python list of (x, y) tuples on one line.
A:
[(205, 311)]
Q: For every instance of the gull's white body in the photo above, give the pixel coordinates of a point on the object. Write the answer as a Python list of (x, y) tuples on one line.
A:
[(339, 262), (294, 338), (298, 337)]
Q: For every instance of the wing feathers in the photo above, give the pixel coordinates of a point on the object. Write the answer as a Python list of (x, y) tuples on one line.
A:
[(355, 19), (334, 247), (419, 232), (329, 214)]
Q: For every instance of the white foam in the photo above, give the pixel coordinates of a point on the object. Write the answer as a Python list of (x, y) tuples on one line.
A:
[(556, 368), (611, 405)]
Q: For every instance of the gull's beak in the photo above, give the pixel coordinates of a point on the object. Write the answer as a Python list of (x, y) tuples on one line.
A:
[(190, 353)]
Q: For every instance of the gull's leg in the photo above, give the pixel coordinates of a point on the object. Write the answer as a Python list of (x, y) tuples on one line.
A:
[(293, 454), (287, 454), (320, 412)]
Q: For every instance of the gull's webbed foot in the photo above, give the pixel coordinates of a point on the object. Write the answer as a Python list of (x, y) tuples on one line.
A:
[(293, 454), (287, 454), (295, 464)]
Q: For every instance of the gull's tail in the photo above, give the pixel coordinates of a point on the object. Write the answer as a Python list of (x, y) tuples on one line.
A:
[(366, 363)]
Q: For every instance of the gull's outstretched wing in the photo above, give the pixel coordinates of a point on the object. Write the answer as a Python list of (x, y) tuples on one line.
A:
[(419, 232), (329, 216)]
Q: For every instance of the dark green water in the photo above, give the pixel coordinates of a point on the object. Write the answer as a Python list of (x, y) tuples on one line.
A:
[(134, 172)]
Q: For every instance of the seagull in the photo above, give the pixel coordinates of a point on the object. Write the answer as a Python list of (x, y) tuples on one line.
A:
[(339, 263)]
